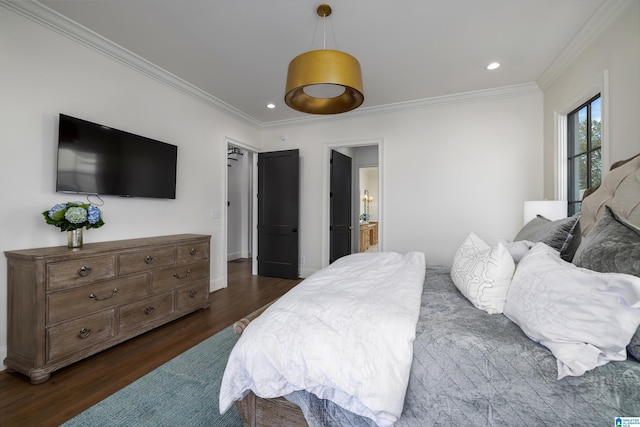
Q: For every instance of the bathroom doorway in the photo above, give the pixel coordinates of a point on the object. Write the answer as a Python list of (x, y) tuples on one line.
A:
[(369, 216), (365, 154)]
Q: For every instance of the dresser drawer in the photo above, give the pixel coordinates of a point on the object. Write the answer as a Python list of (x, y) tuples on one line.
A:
[(67, 274), (133, 262), (95, 297), (77, 335), (171, 278), (192, 252), (147, 313), (193, 296)]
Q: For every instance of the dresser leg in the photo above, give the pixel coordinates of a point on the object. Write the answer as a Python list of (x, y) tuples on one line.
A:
[(38, 376)]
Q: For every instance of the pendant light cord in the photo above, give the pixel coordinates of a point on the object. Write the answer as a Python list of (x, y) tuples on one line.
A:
[(333, 31), (324, 34)]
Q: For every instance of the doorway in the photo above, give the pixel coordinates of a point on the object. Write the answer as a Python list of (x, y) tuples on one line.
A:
[(239, 203), (239, 238), (369, 218), (367, 153), (243, 207)]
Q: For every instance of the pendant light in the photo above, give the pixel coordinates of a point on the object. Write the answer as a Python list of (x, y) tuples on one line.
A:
[(324, 81)]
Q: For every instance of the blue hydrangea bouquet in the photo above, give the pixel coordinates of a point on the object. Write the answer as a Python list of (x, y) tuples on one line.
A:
[(74, 215)]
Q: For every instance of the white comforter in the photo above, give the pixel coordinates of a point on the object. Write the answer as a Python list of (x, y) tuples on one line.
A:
[(344, 334)]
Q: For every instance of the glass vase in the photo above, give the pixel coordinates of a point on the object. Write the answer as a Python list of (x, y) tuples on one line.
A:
[(74, 238)]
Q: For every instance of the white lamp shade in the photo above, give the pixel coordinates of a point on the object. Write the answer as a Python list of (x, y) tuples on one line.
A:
[(550, 209)]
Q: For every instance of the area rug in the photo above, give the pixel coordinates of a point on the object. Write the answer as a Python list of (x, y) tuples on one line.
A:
[(182, 392)]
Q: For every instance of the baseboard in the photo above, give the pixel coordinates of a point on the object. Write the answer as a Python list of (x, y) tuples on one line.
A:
[(234, 256), (3, 355), (305, 272), (215, 284)]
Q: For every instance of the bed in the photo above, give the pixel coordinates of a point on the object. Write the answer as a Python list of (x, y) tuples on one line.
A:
[(511, 333)]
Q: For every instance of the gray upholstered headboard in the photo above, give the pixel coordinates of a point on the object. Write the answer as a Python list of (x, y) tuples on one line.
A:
[(620, 190)]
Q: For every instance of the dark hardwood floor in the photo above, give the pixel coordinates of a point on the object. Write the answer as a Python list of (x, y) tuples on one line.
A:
[(73, 389)]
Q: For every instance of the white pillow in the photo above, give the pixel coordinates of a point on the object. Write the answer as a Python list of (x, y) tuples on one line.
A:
[(584, 317), (518, 249), (483, 273)]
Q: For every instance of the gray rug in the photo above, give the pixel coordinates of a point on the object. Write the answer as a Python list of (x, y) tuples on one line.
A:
[(183, 391)]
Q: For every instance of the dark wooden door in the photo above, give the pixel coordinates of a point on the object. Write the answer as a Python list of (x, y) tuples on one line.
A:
[(278, 213), (340, 229)]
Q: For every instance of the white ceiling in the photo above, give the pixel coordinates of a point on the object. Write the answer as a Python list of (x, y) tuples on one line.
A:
[(238, 51)]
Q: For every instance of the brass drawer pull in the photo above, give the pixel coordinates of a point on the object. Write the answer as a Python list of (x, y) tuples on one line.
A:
[(84, 333), (148, 309), (193, 251), (148, 259), (177, 276), (193, 294), (84, 271), (95, 297)]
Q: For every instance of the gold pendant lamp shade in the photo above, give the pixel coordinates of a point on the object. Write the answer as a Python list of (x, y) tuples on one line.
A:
[(324, 81)]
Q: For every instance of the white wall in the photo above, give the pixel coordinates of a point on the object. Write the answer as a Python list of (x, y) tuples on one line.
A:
[(42, 74), (615, 51), (460, 166), (366, 156)]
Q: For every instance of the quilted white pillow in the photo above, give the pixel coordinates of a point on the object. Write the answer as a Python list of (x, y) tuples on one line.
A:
[(584, 317), (483, 273)]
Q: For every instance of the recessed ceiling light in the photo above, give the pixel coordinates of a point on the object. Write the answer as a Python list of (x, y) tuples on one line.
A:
[(493, 66), (271, 106)]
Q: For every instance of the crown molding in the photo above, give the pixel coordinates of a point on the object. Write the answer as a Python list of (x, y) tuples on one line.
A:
[(420, 104), (597, 23), (51, 19)]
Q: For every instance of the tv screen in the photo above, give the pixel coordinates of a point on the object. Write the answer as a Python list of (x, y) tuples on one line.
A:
[(96, 159)]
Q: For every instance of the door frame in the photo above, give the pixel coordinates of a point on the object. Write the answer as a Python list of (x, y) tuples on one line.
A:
[(254, 207), (326, 175)]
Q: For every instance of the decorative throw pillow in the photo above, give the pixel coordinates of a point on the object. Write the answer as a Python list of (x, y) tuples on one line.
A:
[(482, 273), (559, 234), (575, 239), (585, 318), (612, 246)]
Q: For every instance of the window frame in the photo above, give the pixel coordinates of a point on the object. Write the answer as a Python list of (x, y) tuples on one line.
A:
[(560, 138), (573, 205)]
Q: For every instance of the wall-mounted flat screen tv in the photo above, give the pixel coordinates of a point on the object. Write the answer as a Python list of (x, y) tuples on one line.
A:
[(96, 159)]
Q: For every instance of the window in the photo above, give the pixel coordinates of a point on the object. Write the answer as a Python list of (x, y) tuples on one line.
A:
[(584, 149)]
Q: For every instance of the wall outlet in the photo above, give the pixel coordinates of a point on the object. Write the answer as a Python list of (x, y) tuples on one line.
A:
[(215, 213), (301, 260)]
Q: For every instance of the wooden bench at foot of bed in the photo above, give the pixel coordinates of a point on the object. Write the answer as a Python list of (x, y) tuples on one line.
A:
[(258, 412)]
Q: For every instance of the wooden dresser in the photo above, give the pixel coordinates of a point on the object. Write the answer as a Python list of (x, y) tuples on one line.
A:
[(67, 304)]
